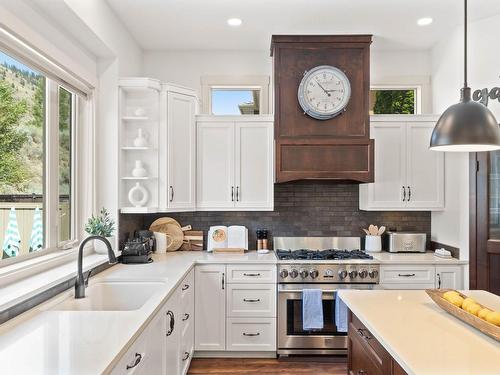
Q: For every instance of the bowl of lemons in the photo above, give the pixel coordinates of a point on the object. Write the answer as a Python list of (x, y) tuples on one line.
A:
[(468, 310)]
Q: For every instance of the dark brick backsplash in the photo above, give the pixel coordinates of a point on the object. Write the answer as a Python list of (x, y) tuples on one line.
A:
[(305, 208)]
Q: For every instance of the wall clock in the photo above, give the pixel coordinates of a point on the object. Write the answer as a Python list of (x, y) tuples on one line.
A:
[(324, 92)]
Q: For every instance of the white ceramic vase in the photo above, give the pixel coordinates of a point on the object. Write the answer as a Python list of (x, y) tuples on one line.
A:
[(139, 170), (138, 196), (140, 140), (100, 247)]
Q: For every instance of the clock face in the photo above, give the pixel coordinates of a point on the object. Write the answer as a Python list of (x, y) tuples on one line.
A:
[(324, 92)]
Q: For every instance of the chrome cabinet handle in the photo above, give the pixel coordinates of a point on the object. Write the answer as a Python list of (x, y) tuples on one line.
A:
[(172, 322), (232, 193), (186, 317), (251, 299), (186, 356), (137, 360), (223, 281), (409, 193), (237, 193), (406, 274), (171, 193), (185, 287), (251, 274), (251, 334), (439, 280), (404, 193), (361, 332)]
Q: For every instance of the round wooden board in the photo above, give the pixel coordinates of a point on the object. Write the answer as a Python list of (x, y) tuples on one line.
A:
[(175, 237), (159, 225)]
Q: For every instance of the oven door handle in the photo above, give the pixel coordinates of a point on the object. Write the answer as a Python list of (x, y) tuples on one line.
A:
[(300, 290)]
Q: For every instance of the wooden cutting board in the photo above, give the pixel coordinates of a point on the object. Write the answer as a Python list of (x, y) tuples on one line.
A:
[(193, 240)]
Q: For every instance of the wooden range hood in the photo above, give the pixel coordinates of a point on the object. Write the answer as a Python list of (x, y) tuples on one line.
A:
[(339, 148)]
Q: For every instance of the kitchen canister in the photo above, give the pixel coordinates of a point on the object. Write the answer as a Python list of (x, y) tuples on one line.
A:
[(373, 244)]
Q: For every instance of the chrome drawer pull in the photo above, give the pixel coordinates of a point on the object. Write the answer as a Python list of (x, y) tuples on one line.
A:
[(251, 274), (186, 356), (186, 317), (185, 287), (251, 300), (137, 360), (251, 334), (406, 274)]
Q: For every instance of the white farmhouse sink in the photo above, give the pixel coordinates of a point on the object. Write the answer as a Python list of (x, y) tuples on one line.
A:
[(113, 296)]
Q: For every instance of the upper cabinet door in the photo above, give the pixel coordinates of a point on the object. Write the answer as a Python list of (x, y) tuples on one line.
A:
[(254, 166), (181, 140), (387, 191), (425, 168), (215, 165)]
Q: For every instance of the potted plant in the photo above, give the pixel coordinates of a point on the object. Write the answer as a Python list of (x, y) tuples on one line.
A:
[(101, 225)]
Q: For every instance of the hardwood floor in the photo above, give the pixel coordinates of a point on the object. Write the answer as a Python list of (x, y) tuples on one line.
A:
[(288, 366)]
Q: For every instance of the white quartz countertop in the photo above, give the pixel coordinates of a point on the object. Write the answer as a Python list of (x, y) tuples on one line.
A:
[(414, 258), (423, 338), (44, 341)]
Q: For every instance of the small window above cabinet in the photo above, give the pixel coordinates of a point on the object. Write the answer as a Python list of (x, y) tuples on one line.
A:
[(408, 176)]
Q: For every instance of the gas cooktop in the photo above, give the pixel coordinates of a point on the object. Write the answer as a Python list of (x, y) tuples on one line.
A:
[(328, 254)]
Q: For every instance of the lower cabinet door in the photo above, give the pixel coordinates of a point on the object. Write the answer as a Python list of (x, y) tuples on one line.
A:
[(359, 361), (449, 277), (173, 334), (156, 341), (134, 360), (251, 334)]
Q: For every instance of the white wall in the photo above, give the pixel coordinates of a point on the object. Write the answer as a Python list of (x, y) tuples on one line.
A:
[(187, 67), (452, 225)]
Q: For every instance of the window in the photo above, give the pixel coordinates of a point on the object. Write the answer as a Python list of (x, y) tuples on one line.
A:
[(386, 100), (37, 123), (235, 95), (243, 101)]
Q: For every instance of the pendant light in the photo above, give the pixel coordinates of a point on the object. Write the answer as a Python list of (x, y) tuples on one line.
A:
[(467, 126)]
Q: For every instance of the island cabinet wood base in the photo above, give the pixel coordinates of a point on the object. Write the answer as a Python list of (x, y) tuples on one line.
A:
[(366, 355)]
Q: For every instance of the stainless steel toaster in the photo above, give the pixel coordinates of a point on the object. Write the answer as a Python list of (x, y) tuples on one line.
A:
[(405, 242)]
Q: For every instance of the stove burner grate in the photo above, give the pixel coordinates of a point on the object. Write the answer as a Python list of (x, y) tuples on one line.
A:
[(330, 254)]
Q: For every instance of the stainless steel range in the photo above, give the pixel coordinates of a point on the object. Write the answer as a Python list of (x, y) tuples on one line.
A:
[(327, 263)]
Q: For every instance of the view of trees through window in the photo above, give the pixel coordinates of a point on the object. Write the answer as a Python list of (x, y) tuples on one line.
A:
[(384, 102)]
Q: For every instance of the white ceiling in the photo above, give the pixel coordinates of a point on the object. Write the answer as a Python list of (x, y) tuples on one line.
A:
[(201, 24)]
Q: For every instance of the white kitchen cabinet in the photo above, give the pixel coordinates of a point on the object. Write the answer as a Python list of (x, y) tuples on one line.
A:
[(251, 334), (210, 307), (408, 176), (235, 162), (449, 277), (173, 315)]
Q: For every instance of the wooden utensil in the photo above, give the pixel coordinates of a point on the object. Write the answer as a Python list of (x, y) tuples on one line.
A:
[(366, 231), (478, 323), (372, 229), (381, 230), (193, 240), (158, 224)]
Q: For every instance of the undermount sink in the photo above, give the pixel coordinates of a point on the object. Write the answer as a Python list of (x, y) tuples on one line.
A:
[(113, 296)]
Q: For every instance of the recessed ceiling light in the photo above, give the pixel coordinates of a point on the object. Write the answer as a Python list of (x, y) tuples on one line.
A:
[(424, 21), (234, 21)]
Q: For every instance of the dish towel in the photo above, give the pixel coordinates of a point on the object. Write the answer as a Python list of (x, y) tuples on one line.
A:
[(340, 314), (312, 309)]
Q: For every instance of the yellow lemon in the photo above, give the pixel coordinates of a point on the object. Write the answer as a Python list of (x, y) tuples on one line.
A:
[(449, 294), (456, 300), (466, 302), (483, 312), (474, 308), (493, 318)]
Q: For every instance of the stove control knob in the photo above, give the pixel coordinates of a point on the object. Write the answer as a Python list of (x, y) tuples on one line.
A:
[(353, 273), (303, 273), (342, 274), (314, 273), (283, 273), (373, 273), (294, 273), (363, 273), (328, 273)]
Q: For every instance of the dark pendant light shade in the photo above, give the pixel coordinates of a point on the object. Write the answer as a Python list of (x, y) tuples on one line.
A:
[(467, 126)]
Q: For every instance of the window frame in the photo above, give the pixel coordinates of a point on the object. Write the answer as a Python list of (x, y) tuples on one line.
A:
[(83, 122), (245, 82), (237, 88), (416, 88)]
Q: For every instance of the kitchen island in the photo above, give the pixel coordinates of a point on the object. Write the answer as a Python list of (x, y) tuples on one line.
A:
[(420, 337)]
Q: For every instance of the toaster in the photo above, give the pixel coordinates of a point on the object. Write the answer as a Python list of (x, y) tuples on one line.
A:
[(405, 242)]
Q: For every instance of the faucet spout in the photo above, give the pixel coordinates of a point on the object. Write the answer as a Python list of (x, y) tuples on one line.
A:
[(80, 281)]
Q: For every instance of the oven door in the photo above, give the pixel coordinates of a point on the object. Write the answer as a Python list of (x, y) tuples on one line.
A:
[(292, 339)]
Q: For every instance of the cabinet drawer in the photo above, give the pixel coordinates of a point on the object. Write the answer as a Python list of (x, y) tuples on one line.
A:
[(187, 289), (251, 334), (133, 361), (406, 274), (256, 300), (251, 273)]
